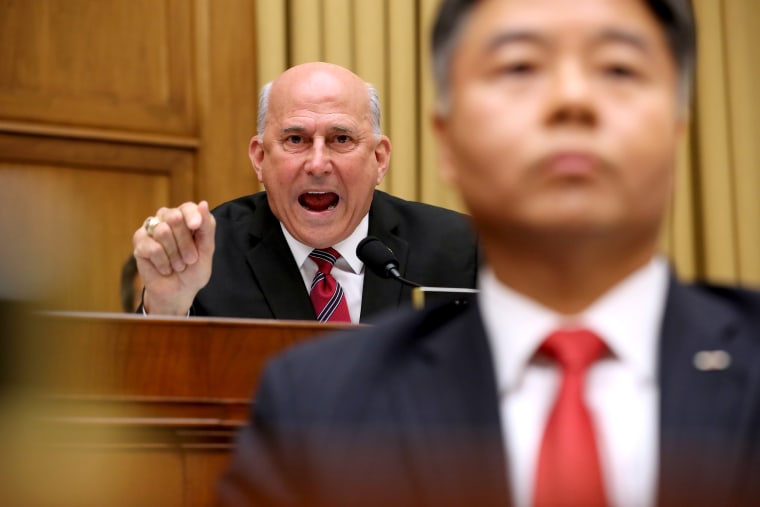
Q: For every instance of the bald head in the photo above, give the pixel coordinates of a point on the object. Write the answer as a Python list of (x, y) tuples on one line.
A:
[(309, 78)]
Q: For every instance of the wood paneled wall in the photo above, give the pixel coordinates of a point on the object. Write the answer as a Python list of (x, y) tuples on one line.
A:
[(109, 110)]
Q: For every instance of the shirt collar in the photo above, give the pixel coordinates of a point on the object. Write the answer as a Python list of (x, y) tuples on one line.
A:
[(347, 248), (627, 317)]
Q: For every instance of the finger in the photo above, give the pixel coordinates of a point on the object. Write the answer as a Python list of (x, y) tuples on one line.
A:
[(204, 236), (193, 219), (192, 214), (151, 257), (172, 233)]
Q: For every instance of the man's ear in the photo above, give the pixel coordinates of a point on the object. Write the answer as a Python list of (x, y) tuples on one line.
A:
[(382, 157), (445, 162), (256, 155)]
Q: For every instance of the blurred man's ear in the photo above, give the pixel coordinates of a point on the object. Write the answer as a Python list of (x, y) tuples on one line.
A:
[(444, 156)]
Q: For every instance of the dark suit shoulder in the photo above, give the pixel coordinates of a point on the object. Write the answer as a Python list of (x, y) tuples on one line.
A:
[(743, 303), (435, 246), (241, 208), (332, 367), (709, 412), (240, 224), (413, 214)]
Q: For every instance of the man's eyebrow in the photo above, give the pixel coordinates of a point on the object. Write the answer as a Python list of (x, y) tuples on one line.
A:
[(300, 129), (527, 36), (513, 36), (341, 128), (625, 37)]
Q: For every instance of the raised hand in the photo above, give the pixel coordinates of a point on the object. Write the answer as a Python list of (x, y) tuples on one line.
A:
[(174, 250)]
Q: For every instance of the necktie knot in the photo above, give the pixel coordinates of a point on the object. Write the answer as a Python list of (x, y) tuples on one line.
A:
[(324, 258), (575, 350), (326, 294)]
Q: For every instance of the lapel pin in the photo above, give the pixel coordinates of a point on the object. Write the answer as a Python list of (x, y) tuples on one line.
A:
[(712, 360)]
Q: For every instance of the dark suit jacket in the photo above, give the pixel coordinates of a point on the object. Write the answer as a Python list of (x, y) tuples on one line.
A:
[(254, 274), (406, 413)]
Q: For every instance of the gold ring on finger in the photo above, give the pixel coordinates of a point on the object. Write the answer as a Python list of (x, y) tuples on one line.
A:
[(150, 225)]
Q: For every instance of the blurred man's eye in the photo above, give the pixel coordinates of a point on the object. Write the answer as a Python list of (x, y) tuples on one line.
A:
[(519, 68), (620, 71)]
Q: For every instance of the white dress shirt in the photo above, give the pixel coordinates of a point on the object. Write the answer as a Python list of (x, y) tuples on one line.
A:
[(348, 270), (621, 389)]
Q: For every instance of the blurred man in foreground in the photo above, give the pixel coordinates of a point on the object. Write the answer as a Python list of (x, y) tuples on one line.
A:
[(585, 374)]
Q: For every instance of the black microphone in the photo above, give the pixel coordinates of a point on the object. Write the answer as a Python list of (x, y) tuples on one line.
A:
[(380, 259)]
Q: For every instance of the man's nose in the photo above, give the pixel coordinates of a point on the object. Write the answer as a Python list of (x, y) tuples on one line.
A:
[(571, 95), (319, 159)]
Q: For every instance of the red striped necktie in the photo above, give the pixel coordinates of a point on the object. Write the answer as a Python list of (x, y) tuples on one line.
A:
[(569, 473), (326, 293)]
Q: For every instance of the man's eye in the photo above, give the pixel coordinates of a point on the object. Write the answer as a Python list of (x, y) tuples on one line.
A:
[(620, 71), (342, 139), (294, 139), (519, 68)]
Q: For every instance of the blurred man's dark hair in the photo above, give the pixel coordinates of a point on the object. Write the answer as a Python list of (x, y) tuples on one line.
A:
[(676, 17)]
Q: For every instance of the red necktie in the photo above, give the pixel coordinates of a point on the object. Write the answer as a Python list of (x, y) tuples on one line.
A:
[(569, 473), (326, 293)]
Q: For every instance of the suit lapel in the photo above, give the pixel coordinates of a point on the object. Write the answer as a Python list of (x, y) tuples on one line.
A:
[(703, 409), (449, 408), (382, 293), (278, 280)]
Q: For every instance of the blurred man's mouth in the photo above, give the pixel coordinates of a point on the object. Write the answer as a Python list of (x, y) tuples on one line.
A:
[(318, 201)]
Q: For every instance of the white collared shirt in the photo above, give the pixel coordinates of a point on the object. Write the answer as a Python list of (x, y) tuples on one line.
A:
[(621, 390), (348, 270)]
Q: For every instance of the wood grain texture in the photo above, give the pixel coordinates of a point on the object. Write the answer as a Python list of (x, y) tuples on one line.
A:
[(116, 64), (108, 111), (126, 410), (69, 208)]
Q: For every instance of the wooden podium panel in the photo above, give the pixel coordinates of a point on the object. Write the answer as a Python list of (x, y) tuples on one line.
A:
[(126, 410)]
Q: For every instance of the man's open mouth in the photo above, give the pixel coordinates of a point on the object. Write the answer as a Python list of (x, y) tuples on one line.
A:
[(318, 201)]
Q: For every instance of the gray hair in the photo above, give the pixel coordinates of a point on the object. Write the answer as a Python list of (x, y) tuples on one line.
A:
[(374, 109), (676, 18)]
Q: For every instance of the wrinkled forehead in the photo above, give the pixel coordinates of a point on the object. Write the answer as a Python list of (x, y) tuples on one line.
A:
[(319, 94)]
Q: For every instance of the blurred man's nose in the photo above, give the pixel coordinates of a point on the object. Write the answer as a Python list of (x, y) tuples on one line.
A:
[(571, 93)]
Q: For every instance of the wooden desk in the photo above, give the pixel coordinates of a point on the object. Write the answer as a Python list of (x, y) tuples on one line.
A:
[(124, 410)]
